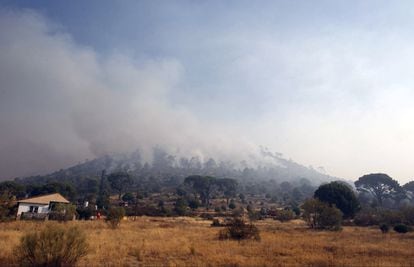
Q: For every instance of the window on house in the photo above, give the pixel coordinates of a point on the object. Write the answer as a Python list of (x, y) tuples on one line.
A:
[(34, 209)]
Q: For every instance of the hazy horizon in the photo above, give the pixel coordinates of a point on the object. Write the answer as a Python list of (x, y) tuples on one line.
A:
[(324, 83)]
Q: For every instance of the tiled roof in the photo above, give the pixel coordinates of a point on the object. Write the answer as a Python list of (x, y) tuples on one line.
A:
[(46, 199)]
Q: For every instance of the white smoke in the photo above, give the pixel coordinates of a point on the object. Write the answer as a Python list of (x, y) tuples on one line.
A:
[(62, 103)]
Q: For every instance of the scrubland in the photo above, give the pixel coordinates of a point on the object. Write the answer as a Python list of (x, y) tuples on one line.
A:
[(150, 241)]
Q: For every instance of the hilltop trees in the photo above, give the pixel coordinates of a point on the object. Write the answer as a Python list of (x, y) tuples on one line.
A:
[(120, 181), (339, 194), (206, 186), (380, 186)]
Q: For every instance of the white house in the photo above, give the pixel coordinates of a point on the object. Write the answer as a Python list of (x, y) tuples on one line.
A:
[(40, 205)]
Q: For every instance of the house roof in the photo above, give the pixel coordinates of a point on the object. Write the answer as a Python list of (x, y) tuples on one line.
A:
[(46, 199)]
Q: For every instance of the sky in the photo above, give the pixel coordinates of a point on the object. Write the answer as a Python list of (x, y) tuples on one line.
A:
[(326, 83)]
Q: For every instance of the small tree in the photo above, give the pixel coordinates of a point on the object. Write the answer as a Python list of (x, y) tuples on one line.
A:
[(181, 207), (341, 195), (114, 216), (63, 212), (320, 215)]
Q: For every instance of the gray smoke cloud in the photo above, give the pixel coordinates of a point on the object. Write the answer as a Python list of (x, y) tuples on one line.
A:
[(338, 95), (61, 103)]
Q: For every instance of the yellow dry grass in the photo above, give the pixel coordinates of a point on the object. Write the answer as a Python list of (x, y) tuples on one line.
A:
[(190, 242)]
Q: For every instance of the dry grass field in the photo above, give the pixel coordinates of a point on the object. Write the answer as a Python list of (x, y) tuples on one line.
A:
[(191, 242)]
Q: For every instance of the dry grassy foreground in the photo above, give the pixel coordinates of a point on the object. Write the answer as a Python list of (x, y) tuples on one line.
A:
[(190, 242)]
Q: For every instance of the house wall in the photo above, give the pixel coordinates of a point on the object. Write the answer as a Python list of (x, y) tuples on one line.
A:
[(25, 207)]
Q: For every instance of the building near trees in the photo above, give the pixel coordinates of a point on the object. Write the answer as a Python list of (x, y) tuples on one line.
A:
[(40, 206)]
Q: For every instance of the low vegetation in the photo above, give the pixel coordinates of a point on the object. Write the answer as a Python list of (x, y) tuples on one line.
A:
[(184, 241), (238, 229), (54, 245)]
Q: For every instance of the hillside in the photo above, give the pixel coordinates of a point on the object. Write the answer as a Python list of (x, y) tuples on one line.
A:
[(267, 166)]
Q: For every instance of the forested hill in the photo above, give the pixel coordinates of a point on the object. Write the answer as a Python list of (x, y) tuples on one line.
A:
[(170, 169)]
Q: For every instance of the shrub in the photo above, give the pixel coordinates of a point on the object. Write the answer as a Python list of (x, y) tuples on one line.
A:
[(391, 217), (181, 207), (114, 216), (53, 246), (402, 228), (239, 230), (284, 215), (320, 215), (62, 212), (85, 213), (366, 218), (384, 228), (193, 204)]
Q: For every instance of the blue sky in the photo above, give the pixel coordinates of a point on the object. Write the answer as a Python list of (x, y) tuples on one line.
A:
[(327, 83)]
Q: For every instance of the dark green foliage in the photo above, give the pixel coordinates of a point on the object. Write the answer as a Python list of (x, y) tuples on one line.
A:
[(320, 215), (284, 215), (340, 195), (62, 212), (115, 216), (13, 189), (193, 204), (8, 207), (408, 214), (402, 228), (232, 205), (104, 191), (85, 213), (391, 217), (296, 210), (228, 187), (120, 181), (55, 245), (239, 230), (384, 228), (180, 207), (380, 186), (128, 197), (64, 189), (206, 186)]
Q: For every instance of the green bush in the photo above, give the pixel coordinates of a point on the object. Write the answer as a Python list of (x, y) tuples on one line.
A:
[(55, 245), (63, 212), (402, 228), (284, 215), (232, 205), (114, 216), (239, 230), (320, 215)]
